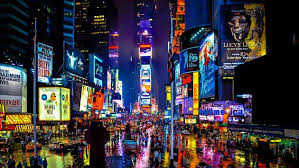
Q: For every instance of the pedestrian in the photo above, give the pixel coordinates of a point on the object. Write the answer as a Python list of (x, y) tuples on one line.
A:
[(13, 163), (45, 163), (19, 165)]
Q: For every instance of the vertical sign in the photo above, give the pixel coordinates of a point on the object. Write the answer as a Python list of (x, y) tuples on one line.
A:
[(195, 93), (45, 62)]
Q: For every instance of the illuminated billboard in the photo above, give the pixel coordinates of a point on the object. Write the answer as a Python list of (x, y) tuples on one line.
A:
[(178, 80), (145, 50), (189, 60), (109, 80), (187, 105), (145, 101), (54, 104), (243, 34), (145, 72), (73, 61), (207, 67), (96, 69), (45, 62), (195, 93), (86, 101), (13, 88), (145, 87)]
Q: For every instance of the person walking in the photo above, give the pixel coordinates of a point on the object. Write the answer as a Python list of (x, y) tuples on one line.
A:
[(19, 165), (45, 163)]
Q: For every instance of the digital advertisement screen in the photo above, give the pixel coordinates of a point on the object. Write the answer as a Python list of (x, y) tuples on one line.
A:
[(189, 60), (96, 69), (54, 104), (145, 101), (145, 51), (74, 61), (145, 87), (207, 67), (113, 52), (45, 62), (145, 72), (178, 80), (146, 60), (243, 34), (13, 88), (86, 102), (187, 105)]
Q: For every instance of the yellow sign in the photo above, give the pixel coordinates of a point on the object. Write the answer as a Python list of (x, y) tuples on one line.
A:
[(168, 93), (14, 119), (195, 93)]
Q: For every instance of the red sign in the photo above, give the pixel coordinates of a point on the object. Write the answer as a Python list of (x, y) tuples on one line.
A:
[(187, 78)]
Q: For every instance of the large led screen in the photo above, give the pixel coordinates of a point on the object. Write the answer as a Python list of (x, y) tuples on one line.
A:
[(74, 61), (207, 67), (45, 62), (178, 80), (54, 104), (243, 34), (13, 88), (145, 87), (145, 51), (189, 60), (86, 102), (96, 69), (145, 72)]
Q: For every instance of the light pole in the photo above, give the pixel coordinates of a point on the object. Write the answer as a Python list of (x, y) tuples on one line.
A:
[(34, 91)]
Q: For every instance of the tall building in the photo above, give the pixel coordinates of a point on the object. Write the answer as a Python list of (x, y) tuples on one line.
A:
[(14, 31), (145, 18)]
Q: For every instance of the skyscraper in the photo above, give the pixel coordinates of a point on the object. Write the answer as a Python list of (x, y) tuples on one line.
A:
[(145, 18), (14, 31)]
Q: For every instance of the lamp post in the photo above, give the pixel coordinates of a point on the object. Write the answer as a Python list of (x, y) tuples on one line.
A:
[(34, 91)]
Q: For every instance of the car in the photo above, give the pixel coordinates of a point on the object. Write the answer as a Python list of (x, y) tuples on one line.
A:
[(186, 132), (56, 146), (30, 147)]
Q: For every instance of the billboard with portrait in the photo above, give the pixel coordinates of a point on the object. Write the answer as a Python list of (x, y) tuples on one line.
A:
[(96, 69), (54, 104), (207, 67), (45, 62), (86, 101), (243, 34), (73, 61), (189, 60), (13, 88)]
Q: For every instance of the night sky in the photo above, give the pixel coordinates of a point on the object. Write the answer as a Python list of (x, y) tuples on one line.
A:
[(128, 47)]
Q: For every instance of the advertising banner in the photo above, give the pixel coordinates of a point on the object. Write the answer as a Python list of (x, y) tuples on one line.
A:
[(145, 87), (189, 60), (187, 105), (109, 80), (243, 34), (86, 102), (45, 62), (96, 69), (145, 72), (49, 104), (65, 104), (178, 80), (145, 50), (74, 61), (77, 96), (13, 88), (207, 68), (145, 101), (195, 93), (14, 119)]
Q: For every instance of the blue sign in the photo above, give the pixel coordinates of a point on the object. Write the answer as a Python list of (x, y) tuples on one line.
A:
[(96, 69), (74, 61), (189, 60), (207, 67)]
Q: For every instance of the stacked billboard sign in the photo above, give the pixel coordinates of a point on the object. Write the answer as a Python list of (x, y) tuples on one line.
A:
[(96, 69), (207, 67), (73, 61), (13, 88), (145, 72), (54, 104), (178, 85), (243, 34), (45, 62)]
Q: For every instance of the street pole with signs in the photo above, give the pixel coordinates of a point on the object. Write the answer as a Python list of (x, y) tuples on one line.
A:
[(34, 89)]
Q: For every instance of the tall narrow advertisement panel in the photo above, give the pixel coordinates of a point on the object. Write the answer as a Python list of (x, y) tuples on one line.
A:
[(207, 67), (49, 104), (45, 62), (243, 34)]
